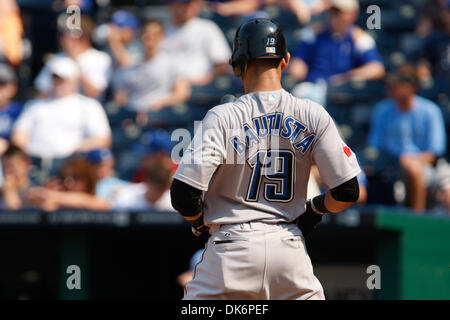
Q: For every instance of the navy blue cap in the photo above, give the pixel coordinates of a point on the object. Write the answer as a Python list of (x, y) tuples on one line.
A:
[(153, 142), (99, 155), (125, 19)]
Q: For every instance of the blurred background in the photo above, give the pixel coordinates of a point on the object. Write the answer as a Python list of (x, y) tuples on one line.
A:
[(91, 91)]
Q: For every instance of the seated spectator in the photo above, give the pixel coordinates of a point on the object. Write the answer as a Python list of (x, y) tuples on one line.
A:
[(95, 66), (122, 39), (11, 31), (435, 59), (107, 183), (341, 53), (409, 130), (155, 83), (64, 123), (153, 194), (196, 45), (74, 188), (9, 109), (16, 181)]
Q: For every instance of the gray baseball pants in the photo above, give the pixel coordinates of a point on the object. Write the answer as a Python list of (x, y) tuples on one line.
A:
[(254, 260)]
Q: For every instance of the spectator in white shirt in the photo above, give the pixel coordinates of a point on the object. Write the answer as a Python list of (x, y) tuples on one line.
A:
[(64, 123), (155, 83), (197, 45), (95, 66)]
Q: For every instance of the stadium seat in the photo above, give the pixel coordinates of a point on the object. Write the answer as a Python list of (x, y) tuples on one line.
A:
[(403, 18)]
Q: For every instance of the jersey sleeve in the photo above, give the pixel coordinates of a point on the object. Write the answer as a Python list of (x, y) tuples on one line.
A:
[(204, 155), (334, 159)]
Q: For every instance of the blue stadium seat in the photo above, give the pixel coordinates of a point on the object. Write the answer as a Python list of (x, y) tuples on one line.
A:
[(174, 116), (125, 135), (403, 18), (411, 45), (116, 115)]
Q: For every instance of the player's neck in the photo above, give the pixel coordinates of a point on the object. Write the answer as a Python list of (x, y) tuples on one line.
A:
[(266, 81)]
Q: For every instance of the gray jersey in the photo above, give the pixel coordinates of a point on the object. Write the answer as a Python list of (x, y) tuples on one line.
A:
[(253, 157)]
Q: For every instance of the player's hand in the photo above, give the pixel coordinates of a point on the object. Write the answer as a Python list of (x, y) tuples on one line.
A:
[(309, 220), (201, 232)]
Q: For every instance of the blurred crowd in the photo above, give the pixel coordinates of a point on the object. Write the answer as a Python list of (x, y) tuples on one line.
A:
[(88, 102)]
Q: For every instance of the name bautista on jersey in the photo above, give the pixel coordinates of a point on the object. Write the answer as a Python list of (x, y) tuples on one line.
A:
[(273, 125)]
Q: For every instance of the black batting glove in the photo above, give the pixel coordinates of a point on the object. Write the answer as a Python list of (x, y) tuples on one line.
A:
[(309, 220), (199, 229)]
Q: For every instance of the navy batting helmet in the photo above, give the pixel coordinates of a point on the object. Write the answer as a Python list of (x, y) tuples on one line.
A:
[(257, 38)]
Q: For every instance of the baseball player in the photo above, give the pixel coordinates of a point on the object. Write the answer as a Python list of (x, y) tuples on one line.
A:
[(243, 180)]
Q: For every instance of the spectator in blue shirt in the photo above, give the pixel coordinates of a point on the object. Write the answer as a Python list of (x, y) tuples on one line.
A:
[(411, 129), (340, 53), (9, 110)]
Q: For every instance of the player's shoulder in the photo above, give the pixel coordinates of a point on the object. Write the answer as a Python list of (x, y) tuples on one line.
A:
[(304, 104), (307, 111), (221, 111)]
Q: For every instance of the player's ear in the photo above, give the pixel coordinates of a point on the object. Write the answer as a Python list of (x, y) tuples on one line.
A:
[(285, 61)]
